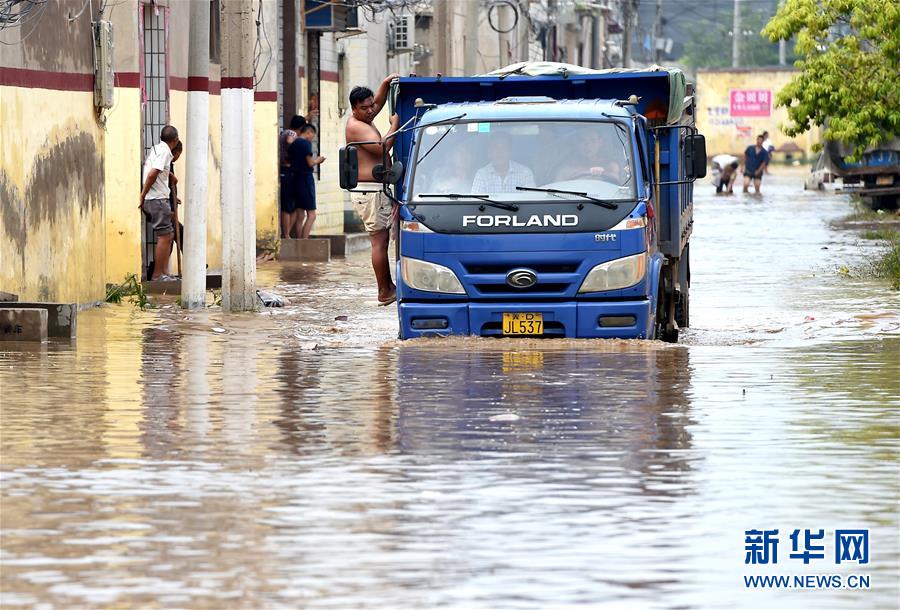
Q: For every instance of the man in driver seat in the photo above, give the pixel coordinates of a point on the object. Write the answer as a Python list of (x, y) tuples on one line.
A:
[(591, 162), (502, 174)]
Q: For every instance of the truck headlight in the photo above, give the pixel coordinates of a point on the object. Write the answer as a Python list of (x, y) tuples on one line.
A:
[(414, 226), (429, 277), (613, 275)]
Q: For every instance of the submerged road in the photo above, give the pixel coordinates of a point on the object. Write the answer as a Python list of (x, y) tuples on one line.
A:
[(298, 458)]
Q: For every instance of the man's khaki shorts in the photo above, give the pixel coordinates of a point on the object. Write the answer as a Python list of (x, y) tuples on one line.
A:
[(159, 213), (375, 209)]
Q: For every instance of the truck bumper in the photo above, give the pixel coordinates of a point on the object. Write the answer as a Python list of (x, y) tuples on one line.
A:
[(589, 319)]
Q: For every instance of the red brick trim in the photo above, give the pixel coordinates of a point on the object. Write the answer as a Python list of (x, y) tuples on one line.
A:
[(128, 79), (237, 82), (265, 96), (42, 79), (331, 77), (197, 83)]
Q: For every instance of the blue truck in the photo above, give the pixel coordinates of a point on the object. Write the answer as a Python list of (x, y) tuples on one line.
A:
[(543, 200)]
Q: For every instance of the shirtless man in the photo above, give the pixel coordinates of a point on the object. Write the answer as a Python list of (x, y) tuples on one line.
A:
[(375, 209)]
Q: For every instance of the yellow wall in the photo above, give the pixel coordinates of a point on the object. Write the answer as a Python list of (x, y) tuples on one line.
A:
[(123, 175), (52, 241), (714, 118), (265, 170), (214, 205)]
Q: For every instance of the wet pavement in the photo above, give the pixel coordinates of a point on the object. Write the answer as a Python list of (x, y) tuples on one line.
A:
[(294, 458)]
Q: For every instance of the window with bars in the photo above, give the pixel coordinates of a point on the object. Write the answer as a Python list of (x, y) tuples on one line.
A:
[(155, 93)]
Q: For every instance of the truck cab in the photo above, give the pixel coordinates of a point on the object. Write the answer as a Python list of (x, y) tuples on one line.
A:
[(546, 205)]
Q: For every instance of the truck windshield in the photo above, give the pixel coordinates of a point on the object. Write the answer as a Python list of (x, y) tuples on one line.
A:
[(494, 158)]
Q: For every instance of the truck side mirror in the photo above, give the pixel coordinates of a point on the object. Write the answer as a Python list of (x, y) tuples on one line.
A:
[(395, 174), (390, 175), (348, 167), (695, 156)]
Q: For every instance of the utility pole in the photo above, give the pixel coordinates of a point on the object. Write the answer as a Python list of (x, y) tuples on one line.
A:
[(657, 33), (523, 32), (502, 36), (470, 51), (193, 280), (598, 39), (626, 33), (782, 47), (237, 181), (736, 36)]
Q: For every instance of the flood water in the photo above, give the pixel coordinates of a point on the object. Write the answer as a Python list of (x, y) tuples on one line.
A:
[(289, 459)]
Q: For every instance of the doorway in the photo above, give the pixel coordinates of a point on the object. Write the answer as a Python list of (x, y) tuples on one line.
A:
[(154, 107)]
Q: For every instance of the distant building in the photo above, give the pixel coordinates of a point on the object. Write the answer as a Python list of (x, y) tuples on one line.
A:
[(736, 105)]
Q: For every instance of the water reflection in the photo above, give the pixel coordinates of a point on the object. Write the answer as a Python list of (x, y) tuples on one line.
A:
[(161, 367), (578, 399)]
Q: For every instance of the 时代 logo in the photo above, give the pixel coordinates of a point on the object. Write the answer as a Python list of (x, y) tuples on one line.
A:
[(521, 278)]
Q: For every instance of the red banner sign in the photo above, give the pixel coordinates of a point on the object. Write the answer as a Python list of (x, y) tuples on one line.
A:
[(751, 102)]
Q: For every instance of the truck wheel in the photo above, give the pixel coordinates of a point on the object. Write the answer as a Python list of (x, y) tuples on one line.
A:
[(683, 309), (660, 331), (683, 300), (659, 324)]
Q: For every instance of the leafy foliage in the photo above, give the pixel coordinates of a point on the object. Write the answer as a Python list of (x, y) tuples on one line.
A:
[(849, 66), (131, 288)]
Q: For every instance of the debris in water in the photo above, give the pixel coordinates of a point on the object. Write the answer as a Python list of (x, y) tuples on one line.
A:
[(341, 318), (309, 345), (505, 417), (218, 329), (809, 319), (270, 299)]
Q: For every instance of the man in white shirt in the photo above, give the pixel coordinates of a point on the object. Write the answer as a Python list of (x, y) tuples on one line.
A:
[(724, 171), (502, 174), (155, 199)]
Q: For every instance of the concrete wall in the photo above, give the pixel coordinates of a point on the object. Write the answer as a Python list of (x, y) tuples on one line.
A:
[(69, 222), (52, 171), (727, 133)]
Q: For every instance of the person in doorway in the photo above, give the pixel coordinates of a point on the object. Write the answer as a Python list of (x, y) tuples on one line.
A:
[(756, 158), (174, 199), (154, 199), (286, 198), (377, 211), (502, 174), (303, 161)]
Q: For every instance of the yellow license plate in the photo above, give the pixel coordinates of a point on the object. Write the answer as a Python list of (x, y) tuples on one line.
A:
[(884, 180), (523, 323)]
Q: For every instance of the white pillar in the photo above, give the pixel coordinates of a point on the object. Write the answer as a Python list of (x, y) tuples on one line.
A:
[(237, 181), (193, 281)]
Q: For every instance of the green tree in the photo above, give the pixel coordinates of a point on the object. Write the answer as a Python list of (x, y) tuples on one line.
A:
[(709, 41), (849, 52)]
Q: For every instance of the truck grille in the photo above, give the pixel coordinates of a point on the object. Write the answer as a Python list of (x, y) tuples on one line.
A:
[(554, 279), (504, 268), (506, 289)]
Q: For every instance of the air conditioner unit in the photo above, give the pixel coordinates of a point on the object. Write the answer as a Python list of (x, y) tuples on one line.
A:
[(401, 34)]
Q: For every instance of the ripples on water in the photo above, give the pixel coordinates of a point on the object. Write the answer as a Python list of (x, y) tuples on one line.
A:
[(160, 464)]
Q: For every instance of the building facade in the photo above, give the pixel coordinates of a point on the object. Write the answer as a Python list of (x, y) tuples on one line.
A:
[(71, 158), (734, 105), (70, 172)]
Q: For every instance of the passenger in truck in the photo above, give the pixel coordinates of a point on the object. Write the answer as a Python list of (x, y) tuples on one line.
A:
[(501, 174)]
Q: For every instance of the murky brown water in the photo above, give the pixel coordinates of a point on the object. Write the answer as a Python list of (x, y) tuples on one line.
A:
[(160, 463)]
